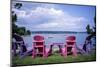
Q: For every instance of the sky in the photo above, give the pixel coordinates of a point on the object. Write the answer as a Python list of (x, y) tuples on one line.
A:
[(54, 17)]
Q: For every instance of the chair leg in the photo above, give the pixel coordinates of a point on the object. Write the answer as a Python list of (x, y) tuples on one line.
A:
[(65, 52), (14, 50), (21, 50), (45, 55), (33, 53), (33, 56), (74, 51), (44, 52)]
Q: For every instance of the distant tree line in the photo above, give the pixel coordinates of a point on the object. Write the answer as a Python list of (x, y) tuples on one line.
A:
[(15, 28), (56, 32)]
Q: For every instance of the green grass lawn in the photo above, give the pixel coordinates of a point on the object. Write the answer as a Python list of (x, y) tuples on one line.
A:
[(55, 58)]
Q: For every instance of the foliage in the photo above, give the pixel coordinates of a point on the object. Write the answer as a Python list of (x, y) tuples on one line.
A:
[(28, 32), (18, 5), (92, 31), (15, 28), (89, 30), (14, 17)]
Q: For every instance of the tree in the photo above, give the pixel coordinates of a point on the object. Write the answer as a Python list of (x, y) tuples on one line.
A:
[(18, 5), (91, 33), (15, 28), (28, 32), (89, 30), (14, 17)]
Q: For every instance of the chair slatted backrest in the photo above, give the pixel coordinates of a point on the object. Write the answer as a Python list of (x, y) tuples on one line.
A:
[(39, 40), (71, 45), (70, 40)]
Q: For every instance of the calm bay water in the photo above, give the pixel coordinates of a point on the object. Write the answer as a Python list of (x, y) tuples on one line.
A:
[(56, 38)]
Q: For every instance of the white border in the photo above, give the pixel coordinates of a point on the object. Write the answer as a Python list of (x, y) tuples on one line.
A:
[(5, 33)]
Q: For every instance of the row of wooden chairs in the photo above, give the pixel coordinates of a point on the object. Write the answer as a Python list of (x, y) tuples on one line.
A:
[(39, 47)]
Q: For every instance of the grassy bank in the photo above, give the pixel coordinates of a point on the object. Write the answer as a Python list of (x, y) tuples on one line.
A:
[(55, 58)]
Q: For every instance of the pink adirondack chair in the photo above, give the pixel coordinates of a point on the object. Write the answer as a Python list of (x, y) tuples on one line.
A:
[(39, 47), (70, 46)]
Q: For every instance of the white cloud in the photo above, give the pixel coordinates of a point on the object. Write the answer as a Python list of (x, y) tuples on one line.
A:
[(47, 18)]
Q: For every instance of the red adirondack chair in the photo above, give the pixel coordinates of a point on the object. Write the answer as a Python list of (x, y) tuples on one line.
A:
[(70, 46), (39, 47)]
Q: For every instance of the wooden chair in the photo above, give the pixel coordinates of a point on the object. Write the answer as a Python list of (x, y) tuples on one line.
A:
[(38, 46), (70, 46)]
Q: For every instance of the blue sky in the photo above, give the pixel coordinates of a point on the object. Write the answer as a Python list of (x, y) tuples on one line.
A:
[(54, 17)]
